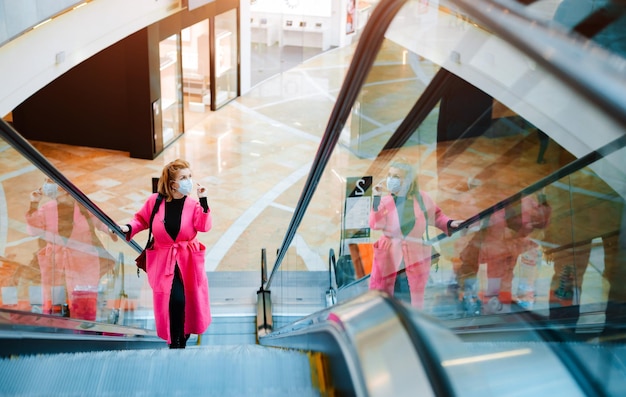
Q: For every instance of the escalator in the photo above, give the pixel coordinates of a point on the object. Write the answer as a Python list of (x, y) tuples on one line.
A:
[(101, 339), (241, 370), (535, 327), (491, 123)]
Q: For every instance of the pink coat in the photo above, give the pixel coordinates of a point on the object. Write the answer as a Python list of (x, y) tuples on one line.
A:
[(505, 236), (502, 238), (392, 247), (76, 257), (189, 253)]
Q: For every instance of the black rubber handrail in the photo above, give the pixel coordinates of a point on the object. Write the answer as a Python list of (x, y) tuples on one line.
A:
[(21, 145)]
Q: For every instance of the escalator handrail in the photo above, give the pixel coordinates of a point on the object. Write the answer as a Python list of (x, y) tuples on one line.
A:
[(439, 379), (346, 324), (332, 267), (365, 54), (22, 146), (350, 318)]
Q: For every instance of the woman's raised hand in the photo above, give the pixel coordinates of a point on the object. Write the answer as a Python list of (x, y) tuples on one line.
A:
[(202, 191), (377, 190), (36, 195)]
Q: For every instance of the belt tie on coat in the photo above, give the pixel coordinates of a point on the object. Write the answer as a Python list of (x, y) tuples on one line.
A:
[(407, 238), (173, 252)]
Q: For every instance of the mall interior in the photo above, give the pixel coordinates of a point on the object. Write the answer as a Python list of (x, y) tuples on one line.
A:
[(407, 196)]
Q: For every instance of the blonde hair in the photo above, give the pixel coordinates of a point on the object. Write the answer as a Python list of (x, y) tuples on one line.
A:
[(411, 184), (168, 175)]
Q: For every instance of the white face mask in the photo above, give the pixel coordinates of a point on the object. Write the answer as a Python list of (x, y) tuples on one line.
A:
[(185, 186), (50, 189), (394, 184)]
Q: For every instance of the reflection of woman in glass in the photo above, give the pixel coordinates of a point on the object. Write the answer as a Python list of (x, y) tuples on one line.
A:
[(69, 256), (350, 16), (403, 216), (503, 237)]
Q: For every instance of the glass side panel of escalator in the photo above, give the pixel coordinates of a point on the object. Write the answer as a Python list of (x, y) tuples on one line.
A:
[(59, 260), (475, 120), (494, 136)]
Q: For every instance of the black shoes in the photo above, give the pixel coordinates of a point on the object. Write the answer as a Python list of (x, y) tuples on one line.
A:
[(179, 342), (176, 344)]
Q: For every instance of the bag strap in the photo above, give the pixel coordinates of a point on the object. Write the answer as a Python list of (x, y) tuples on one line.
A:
[(434, 257), (154, 211), (420, 200)]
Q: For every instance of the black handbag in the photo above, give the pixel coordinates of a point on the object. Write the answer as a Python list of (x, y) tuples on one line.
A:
[(141, 259)]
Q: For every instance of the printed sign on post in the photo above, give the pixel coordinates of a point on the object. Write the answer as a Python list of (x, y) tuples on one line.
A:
[(356, 211)]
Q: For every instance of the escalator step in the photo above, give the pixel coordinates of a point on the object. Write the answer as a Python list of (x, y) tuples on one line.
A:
[(216, 370)]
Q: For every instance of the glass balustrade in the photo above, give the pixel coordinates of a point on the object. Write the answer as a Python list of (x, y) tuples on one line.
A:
[(59, 260), (19, 16), (477, 131)]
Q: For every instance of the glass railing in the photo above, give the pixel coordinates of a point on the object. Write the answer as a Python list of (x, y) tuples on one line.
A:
[(454, 116), (18, 17), (60, 258), (532, 251)]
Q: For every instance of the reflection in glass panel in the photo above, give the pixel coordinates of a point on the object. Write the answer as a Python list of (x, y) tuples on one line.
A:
[(428, 143), (377, 113), (555, 251), (171, 100), (57, 259), (226, 57), (608, 31), (455, 178)]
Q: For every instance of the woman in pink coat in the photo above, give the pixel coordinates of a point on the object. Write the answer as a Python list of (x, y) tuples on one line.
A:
[(175, 264), (70, 255), (503, 237), (403, 216)]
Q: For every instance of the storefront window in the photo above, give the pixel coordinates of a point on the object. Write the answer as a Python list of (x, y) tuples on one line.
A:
[(226, 50), (196, 71), (171, 94)]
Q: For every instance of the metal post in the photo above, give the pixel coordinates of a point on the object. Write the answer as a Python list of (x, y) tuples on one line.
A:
[(263, 267), (331, 293), (264, 322)]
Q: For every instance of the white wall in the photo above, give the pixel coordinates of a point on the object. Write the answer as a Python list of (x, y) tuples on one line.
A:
[(318, 8), (332, 12), (36, 58)]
